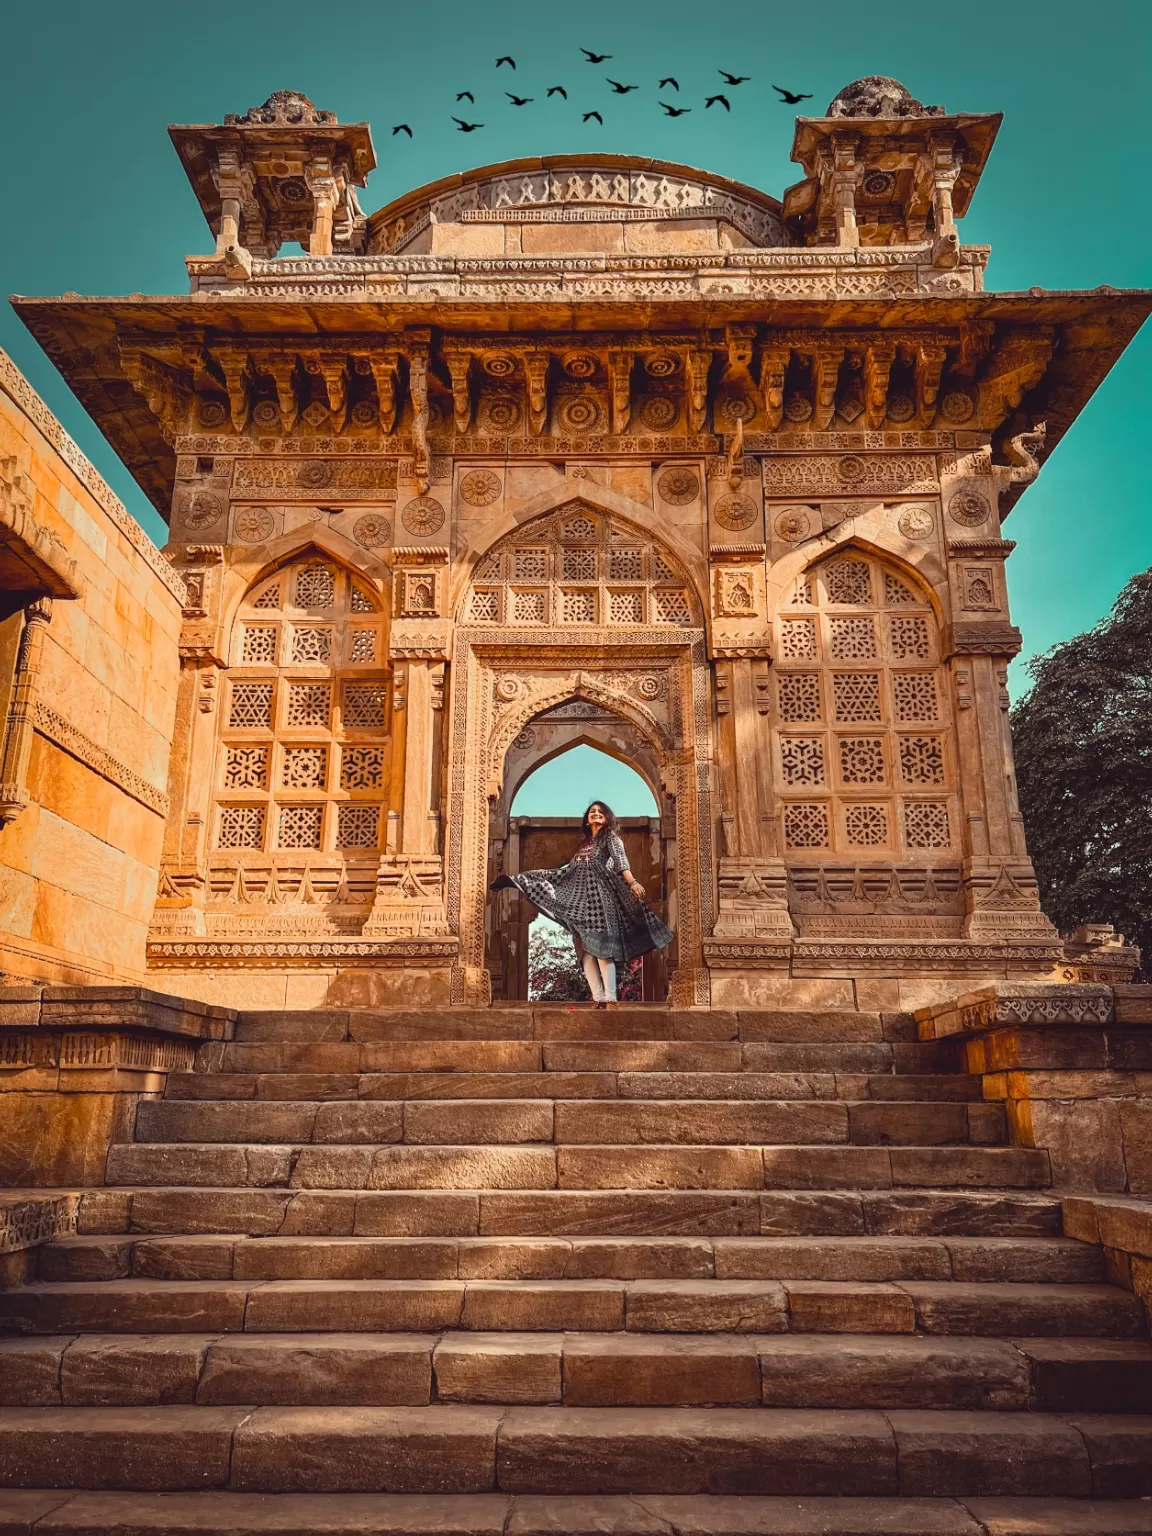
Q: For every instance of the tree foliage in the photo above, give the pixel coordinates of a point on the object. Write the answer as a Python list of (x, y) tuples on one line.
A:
[(555, 975), (1083, 746)]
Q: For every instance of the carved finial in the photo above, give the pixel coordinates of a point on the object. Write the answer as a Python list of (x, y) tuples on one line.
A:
[(879, 96), (282, 107)]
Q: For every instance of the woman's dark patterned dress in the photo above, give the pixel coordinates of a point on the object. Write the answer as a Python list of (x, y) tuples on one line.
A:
[(589, 897)]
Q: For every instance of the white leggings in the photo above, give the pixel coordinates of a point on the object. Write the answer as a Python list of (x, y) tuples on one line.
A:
[(601, 976)]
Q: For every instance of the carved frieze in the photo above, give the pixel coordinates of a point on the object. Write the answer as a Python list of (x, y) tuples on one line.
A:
[(850, 474), (307, 479)]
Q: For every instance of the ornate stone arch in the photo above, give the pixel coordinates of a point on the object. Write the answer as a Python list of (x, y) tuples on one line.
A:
[(649, 668), (244, 576)]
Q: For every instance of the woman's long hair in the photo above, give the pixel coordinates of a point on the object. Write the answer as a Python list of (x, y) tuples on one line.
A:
[(609, 818)]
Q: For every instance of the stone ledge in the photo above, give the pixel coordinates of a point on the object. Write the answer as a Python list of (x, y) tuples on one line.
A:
[(29, 1218), (1017, 1004), (111, 1010), (1123, 1227)]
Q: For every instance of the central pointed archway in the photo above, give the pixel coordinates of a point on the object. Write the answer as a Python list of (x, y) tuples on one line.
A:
[(580, 606)]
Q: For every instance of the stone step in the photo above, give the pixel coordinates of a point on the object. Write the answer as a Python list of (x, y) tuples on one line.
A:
[(645, 1306), (224, 1257), (591, 1036), (590, 1167), (568, 1022), (551, 1083), (579, 1370), (575, 1213), (65, 1513), (488, 1121), (449, 1448)]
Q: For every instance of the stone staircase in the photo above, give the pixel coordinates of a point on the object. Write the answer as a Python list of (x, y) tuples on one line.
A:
[(546, 1271)]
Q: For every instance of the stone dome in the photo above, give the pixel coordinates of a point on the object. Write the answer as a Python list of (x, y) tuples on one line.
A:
[(879, 96)]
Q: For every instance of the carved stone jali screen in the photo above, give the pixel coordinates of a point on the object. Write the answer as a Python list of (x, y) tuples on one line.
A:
[(579, 566)]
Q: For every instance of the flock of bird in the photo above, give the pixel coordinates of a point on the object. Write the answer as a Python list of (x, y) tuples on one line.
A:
[(669, 83)]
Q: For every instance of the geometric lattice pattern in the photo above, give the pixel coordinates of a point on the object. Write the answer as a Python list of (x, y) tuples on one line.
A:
[(259, 643), (567, 560), (852, 639), (241, 826), (311, 644), (304, 767), (926, 824), (365, 705), (250, 706), (806, 826), (245, 768), (802, 759), (309, 704), (861, 760), (914, 696), (866, 826), (908, 637), (856, 696), (848, 581), (860, 722), (300, 826), (302, 751), (358, 826), (798, 695), (921, 760), (363, 646), (798, 640), (362, 768), (315, 587)]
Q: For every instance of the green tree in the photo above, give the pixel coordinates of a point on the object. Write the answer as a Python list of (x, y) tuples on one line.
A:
[(1083, 743)]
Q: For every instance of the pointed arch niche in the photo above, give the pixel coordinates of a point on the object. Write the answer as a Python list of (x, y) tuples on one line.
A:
[(579, 610), (534, 841), (865, 752), (301, 769)]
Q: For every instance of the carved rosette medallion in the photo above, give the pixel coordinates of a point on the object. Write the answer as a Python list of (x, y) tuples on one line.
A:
[(735, 512), (579, 414), (916, 523), (969, 508), (678, 486), (957, 406), (500, 414), (661, 365), (734, 408), (266, 414), (212, 414), (372, 531), (480, 487), (901, 407), (793, 524), (580, 365), (423, 516), (202, 510), (659, 412), (798, 408), (254, 525)]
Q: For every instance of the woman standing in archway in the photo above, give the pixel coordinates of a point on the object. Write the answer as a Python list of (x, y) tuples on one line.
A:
[(598, 900)]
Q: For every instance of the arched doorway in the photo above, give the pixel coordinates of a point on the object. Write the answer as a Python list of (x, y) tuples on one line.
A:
[(535, 832), (580, 606)]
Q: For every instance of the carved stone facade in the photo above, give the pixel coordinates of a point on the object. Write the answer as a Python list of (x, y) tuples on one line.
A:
[(621, 440)]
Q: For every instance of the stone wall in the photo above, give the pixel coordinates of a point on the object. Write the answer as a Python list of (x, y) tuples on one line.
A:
[(89, 721)]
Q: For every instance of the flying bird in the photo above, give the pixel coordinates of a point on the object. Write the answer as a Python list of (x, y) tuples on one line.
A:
[(673, 111), (621, 90), (401, 128), (723, 100), (675, 84), (733, 79), (596, 115), (519, 101), (507, 59), (558, 90), (790, 96), (595, 58), (466, 127), (466, 96)]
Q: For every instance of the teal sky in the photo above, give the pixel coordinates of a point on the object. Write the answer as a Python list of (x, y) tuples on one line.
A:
[(95, 200)]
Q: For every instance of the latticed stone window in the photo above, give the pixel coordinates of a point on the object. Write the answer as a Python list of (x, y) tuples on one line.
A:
[(260, 643), (567, 569), (301, 742), (856, 683)]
